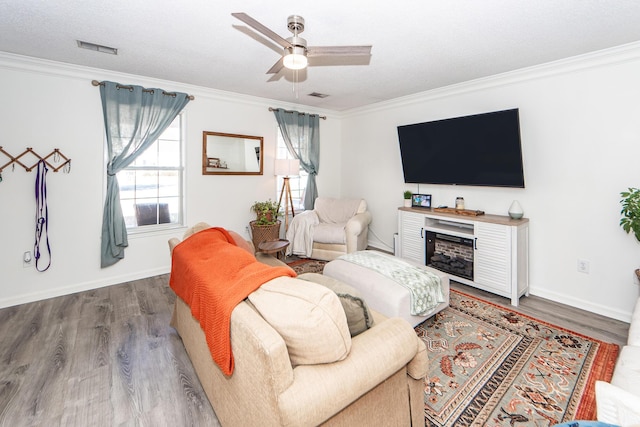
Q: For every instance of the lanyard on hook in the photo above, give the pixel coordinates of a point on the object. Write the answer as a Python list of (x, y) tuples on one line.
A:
[(42, 214)]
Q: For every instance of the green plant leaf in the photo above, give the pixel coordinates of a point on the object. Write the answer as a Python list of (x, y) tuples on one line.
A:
[(630, 212)]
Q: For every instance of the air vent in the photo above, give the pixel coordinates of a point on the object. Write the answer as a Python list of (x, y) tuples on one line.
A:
[(97, 47), (318, 95)]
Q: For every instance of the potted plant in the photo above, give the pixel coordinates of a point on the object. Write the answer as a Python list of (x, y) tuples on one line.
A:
[(630, 212), (266, 226), (266, 212), (407, 198)]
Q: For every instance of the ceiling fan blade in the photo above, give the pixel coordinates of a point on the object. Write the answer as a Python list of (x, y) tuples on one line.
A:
[(276, 67), (261, 29), (338, 50)]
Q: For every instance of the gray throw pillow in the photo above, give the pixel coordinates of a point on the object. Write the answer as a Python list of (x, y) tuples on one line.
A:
[(359, 318)]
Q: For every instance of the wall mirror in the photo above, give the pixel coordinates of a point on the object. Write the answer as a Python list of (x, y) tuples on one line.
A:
[(231, 154)]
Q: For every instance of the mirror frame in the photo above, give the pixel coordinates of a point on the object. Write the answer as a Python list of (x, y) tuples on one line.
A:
[(207, 169)]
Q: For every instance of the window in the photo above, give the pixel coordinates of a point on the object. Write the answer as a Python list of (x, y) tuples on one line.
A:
[(151, 188), (298, 184)]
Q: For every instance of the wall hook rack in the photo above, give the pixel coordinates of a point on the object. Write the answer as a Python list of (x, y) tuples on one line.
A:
[(55, 156)]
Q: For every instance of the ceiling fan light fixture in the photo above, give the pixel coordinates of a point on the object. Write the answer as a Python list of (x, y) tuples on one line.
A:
[(296, 58)]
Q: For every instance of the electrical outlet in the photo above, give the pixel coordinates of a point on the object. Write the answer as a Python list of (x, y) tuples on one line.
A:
[(583, 266), (27, 259)]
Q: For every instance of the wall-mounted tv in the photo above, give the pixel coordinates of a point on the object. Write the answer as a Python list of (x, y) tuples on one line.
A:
[(482, 149)]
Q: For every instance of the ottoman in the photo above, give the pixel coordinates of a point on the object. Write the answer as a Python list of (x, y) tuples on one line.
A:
[(382, 293)]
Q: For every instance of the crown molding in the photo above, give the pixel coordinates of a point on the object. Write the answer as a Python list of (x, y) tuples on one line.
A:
[(11, 61), (617, 55)]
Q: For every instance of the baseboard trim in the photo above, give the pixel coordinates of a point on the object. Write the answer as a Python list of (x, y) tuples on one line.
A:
[(582, 304), (81, 287)]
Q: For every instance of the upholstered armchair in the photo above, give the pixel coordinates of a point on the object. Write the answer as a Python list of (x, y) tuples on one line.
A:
[(334, 227)]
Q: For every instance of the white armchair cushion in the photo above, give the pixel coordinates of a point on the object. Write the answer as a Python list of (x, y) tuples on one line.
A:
[(616, 406), (330, 233)]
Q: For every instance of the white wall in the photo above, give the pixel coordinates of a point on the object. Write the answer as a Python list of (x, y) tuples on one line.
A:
[(580, 127), (47, 105)]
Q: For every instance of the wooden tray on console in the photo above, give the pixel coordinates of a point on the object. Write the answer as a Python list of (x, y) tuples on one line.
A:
[(466, 212)]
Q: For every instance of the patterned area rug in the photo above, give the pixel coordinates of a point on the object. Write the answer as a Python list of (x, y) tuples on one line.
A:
[(306, 265), (491, 366)]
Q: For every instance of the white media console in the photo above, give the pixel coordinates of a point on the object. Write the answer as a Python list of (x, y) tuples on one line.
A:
[(490, 250)]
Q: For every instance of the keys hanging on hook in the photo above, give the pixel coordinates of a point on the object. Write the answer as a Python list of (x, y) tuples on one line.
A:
[(67, 167), (56, 156)]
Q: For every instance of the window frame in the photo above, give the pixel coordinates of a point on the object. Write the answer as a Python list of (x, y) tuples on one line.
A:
[(282, 152), (140, 230)]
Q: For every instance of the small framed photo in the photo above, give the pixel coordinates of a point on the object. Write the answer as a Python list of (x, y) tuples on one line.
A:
[(421, 201)]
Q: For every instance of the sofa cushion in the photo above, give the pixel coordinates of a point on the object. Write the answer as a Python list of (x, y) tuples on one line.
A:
[(330, 233), (241, 242), (308, 316), (238, 239), (359, 318)]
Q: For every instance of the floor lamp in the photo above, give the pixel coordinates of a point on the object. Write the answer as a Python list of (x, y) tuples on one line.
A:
[(287, 168)]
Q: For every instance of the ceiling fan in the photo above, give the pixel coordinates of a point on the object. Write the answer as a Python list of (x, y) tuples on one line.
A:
[(296, 52)]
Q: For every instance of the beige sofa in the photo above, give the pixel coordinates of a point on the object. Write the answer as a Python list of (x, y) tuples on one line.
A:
[(618, 402), (334, 227), (380, 380)]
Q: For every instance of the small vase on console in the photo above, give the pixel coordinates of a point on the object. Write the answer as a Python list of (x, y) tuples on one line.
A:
[(515, 210)]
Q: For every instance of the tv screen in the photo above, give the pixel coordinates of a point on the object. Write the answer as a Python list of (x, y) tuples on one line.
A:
[(482, 149)]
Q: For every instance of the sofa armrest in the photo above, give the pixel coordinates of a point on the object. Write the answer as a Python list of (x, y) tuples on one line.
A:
[(616, 406), (419, 365), (173, 242), (356, 232), (358, 223), (262, 366), (375, 355)]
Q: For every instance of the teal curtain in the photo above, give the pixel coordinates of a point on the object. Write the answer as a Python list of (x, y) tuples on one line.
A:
[(134, 117), (301, 134)]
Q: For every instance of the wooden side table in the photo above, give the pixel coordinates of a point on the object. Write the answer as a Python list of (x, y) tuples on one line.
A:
[(274, 247)]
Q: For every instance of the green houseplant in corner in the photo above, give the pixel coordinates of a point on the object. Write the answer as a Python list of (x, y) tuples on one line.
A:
[(631, 214)]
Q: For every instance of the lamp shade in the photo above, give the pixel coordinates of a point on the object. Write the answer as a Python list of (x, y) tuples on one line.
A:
[(287, 167)]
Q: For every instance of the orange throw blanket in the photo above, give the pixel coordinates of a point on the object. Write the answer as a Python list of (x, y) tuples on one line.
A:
[(213, 275)]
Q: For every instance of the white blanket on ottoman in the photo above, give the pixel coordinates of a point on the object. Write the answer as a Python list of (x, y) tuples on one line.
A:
[(383, 294), (424, 286)]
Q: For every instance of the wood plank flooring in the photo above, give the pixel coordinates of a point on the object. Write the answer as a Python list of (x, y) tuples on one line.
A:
[(99, 358), (109, 357)]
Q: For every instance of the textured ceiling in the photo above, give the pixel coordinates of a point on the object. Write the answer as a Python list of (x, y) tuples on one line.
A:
[(418, 45)]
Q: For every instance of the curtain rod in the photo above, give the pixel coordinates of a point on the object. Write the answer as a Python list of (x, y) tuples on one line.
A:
[(289, 111), (119, 86)]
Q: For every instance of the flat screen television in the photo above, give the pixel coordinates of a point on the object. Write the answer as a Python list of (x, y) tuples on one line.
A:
[(482, 149)]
